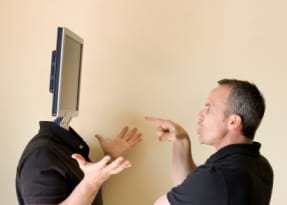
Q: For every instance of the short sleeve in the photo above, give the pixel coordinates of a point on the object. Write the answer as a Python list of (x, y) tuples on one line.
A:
[(42, 179), (205, 186)]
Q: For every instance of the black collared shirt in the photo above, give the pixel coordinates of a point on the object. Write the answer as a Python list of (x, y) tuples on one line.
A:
[(46, 173), (235, 175)]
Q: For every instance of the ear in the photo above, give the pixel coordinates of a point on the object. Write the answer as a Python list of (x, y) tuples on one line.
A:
[(234, 122)]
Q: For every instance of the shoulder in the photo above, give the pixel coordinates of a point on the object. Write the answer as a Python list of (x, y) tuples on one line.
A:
[(42, 153), (206, 177), (206, 185), (41, 174)]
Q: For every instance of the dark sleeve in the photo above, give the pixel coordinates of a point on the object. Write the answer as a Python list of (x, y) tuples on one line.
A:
[(42, 179), (204, 186)]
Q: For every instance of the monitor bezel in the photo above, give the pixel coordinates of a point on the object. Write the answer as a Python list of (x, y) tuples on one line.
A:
[(57, 110)]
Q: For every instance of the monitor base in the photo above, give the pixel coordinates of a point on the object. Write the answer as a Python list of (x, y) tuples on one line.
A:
[(63, 122)]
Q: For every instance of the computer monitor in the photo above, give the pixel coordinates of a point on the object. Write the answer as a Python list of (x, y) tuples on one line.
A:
[(65, 77)]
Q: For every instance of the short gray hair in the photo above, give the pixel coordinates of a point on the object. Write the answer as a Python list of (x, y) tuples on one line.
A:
[(247, 101)]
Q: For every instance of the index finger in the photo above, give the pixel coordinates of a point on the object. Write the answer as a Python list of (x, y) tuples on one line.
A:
[(156, 121)]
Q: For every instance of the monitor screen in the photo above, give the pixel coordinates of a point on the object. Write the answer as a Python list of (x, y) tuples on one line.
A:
[(66, 73)]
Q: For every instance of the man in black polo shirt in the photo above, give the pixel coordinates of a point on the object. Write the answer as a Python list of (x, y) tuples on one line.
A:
[(49, 171), (237, 174)]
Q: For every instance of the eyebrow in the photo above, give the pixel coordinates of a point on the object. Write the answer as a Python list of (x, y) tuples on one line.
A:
[(210, 103)]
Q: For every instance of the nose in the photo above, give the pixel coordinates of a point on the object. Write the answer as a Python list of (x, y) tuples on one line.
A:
[(200, 117)]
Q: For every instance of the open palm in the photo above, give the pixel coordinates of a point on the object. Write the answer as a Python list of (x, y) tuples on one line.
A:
[(121, 144)]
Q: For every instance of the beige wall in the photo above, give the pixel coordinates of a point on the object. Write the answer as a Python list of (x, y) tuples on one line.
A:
[(141, 57)]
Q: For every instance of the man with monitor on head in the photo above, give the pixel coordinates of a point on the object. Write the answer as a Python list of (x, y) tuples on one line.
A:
[(48, 174), (237, 173), (55, 167)]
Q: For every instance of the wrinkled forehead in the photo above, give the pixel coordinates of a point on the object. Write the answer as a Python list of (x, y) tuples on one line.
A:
[(219, 95)]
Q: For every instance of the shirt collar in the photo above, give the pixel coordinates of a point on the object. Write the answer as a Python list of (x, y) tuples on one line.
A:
[(243, 149), (68, 137)]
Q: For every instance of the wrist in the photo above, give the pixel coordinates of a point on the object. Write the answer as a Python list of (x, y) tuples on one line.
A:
[(182, 141), (181, 137), (91, 185)]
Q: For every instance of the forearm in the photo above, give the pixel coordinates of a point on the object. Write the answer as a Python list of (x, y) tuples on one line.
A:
[(182, 161), (84, 194), (162, 201)]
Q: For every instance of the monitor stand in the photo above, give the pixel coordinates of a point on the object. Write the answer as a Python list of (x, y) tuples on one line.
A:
[(63, 122)]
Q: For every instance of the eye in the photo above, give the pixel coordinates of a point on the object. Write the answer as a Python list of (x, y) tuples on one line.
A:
[(207, 107)]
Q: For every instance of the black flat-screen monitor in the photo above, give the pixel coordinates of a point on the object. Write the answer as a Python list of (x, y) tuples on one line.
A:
[(65, 75)]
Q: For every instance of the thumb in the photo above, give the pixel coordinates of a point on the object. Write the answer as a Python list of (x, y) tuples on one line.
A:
[(80, 159), (100, 138)]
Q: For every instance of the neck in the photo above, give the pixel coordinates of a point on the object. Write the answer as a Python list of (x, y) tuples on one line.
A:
[(233, 139)]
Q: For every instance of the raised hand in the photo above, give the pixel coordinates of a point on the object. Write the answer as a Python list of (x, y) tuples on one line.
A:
[(167, 129), (95, 174), (121, 144)]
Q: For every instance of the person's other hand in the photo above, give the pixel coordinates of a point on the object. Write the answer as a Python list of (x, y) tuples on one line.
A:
[(167, 129), (121, 144), (95, 174)]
